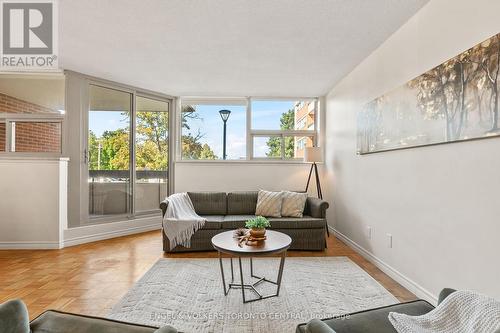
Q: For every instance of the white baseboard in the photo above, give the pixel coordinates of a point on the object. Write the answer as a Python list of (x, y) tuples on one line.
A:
[(30, 245), (93, 233), (403, 280)]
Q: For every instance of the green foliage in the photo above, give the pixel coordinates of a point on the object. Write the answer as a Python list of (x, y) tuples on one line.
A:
[(258, 223), (287, 122), (111, 151)]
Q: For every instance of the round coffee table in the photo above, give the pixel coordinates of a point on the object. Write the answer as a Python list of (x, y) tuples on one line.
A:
[(276, 243)]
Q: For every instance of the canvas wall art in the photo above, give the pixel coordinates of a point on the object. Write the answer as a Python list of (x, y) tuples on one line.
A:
[(455, 101)]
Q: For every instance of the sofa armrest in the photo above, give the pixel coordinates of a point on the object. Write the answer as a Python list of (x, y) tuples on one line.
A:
[(445, 293), (163, 206), (317, 326), (316, 207)]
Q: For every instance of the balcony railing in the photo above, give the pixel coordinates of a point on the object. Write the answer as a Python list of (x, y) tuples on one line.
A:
[(110, 191)]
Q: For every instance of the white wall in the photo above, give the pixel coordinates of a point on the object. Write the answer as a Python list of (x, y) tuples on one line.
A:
[(241, 176), (33, 202), (440, 203)]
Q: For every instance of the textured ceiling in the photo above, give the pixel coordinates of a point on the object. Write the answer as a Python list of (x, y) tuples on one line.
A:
[(226, 47)]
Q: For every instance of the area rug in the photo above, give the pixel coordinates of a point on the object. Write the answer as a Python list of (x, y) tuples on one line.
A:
[(188, 294)]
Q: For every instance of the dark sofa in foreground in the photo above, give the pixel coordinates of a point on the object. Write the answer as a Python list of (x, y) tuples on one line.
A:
[(62, 322), (229, 211), (373, 320)]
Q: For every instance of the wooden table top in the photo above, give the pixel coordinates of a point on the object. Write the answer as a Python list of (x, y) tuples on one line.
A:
[(276, 242)]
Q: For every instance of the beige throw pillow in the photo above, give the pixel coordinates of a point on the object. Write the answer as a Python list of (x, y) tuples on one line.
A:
[(293, 204), (269, 204)]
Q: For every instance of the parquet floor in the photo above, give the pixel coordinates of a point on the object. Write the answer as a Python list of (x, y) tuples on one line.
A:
[(91, 278)]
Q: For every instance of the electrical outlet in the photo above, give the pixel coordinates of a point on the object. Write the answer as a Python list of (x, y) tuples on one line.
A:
[(369, 232), (389, 241)]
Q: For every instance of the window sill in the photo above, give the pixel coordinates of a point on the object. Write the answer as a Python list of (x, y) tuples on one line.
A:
[(28, 157), (256, 161)]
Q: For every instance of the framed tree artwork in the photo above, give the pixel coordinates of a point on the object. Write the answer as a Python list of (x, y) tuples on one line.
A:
[(455, 101)]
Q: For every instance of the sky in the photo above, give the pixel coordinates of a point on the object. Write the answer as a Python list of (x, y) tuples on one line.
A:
[(265, 115)]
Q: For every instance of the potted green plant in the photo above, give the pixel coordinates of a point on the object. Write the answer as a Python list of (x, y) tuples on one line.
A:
[(258, 226)]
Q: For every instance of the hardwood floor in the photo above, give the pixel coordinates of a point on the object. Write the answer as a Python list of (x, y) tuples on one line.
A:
[(91, 278)]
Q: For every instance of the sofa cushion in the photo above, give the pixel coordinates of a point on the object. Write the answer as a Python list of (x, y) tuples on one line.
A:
[(209, 203), (305, 222), (269, 204), (60, 322), (374, 320), (235, 221), (293, 204), (241, 203), (213, 221)]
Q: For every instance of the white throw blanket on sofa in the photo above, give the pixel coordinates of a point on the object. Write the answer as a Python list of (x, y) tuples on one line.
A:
[(181, 221), (460, 312)]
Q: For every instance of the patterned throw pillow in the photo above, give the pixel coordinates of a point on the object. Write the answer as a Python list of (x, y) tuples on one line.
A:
[(293, 204), (269, 204)]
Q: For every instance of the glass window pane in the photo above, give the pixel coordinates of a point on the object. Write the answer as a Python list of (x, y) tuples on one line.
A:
[(151, 153), (267, 146), (203, 132), (295, 145), (36, 137), (108, 151), (304, 114), (283, 115)]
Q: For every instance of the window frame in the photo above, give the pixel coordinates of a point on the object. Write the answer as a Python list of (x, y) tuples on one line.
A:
[(9, 118), (250, 131)]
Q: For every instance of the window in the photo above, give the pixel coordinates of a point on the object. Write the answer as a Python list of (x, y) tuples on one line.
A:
[(279, 129), (202, 130), (31, 114), (128, 152), (267, 146), (288, 125), (35, 137)]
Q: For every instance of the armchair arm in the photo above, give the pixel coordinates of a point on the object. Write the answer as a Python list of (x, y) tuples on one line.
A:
[(163, 206), (316, 207), (445, 293), (318, 326)]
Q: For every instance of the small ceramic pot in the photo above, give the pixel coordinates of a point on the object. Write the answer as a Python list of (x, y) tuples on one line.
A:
[(257, 233)]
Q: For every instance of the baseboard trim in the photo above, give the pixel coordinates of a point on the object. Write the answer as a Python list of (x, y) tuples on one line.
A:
[(30, 245), (403, 280), (94, 237)]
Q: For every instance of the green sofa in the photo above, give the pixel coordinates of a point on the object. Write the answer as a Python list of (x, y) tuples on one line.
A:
[(373, 320), (14, 318), (229, 211), (61, 322)]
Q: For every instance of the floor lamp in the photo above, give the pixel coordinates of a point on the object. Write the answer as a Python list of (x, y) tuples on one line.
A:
[(313, 155)]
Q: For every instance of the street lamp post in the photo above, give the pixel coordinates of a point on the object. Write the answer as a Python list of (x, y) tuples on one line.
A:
[(224, 114)]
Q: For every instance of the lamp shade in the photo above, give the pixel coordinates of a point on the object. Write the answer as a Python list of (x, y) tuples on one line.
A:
[(313, 154)]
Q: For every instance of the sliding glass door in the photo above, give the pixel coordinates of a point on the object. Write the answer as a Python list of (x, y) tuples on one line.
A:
[(127, 153), (109, 152), (151, 153)]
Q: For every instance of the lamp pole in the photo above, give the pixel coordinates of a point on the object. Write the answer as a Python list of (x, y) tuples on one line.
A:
[(224, 114)]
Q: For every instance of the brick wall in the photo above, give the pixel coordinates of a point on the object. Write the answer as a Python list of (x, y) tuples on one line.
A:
[(30, 136), (9, 104), (2, 137), (38, 137)]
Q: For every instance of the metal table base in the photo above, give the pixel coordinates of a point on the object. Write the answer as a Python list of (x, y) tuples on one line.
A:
[(241, 285)]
